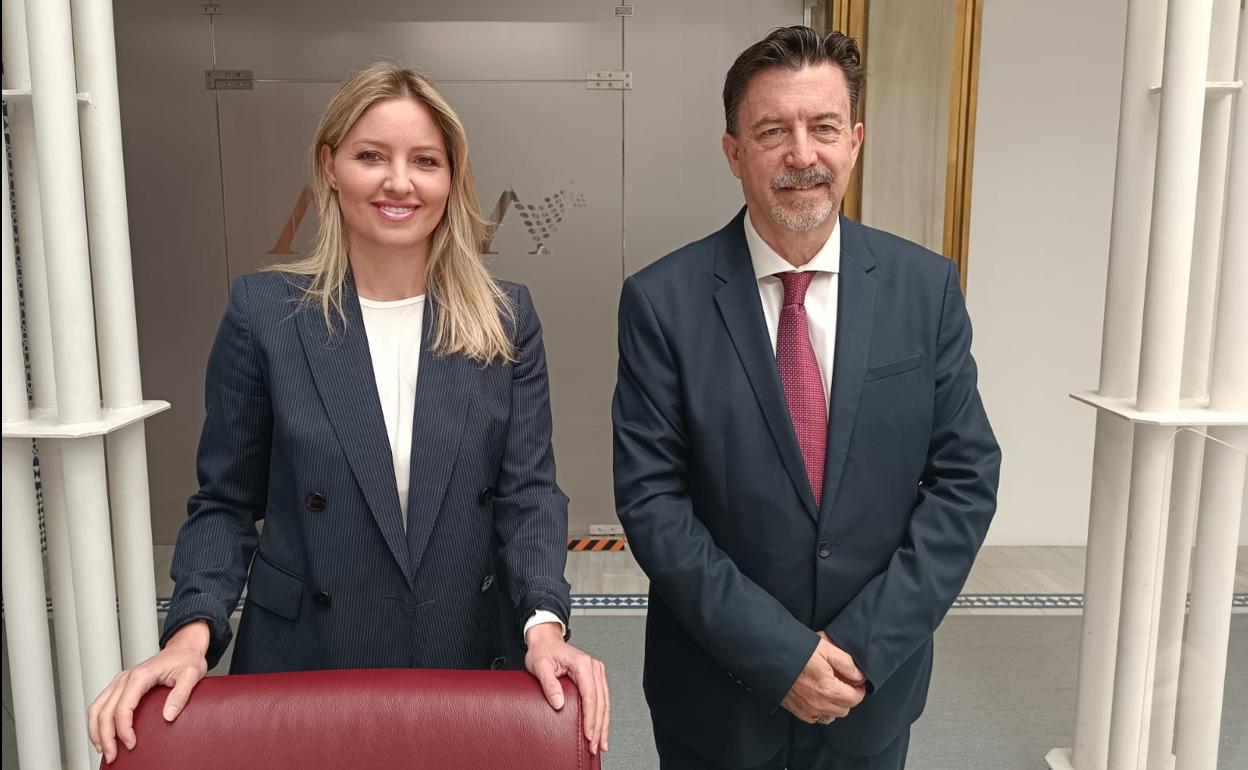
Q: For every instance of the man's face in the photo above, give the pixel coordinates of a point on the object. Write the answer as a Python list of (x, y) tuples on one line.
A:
[(795, 147)]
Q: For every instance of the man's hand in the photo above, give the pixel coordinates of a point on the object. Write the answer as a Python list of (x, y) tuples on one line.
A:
[(550, 657), (180, 665), (828, 687)]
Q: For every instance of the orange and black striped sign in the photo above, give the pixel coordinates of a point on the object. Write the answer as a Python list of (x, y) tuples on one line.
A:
[(597, 544)]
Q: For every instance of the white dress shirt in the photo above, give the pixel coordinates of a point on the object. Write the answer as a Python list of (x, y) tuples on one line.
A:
[(393, 329), (821, 296)]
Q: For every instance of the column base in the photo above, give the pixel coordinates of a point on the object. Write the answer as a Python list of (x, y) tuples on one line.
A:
[(1059, 759)]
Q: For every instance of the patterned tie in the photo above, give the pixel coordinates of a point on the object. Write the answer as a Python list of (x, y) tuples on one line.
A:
[(799, 373)]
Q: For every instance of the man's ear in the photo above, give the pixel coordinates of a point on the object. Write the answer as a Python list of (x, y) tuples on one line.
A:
[(732, 151)]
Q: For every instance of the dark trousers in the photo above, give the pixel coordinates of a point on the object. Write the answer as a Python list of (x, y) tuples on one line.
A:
[(805, 749)]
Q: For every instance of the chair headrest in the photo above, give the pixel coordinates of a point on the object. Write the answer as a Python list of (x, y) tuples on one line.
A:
[(363, 718)]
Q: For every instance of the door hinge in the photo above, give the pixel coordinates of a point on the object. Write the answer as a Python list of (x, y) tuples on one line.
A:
[(623, 10), (228, 80), (211, 9), (609, 80)]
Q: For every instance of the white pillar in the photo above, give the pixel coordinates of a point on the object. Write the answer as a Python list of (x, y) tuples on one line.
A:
[(25, 610), (79, 752), (1120, 347), (111, 274), (1197, 358), (1161, 368), (59, 153), (77, 748), (1208, 627)]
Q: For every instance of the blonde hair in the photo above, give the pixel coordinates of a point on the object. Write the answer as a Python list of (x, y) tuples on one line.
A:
[(469, 304)]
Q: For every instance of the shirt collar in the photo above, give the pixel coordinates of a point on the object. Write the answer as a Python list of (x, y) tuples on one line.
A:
[(767, 262)]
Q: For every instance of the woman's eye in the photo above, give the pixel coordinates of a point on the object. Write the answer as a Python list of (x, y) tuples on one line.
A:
[(369, 156), (427, 161)]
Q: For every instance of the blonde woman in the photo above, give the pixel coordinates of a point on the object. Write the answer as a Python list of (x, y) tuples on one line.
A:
[(383, 405)]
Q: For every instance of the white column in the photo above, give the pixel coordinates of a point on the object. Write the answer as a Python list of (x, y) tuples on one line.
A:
[(1111, 463), (59, 153), (1161, 367), (77, 748), (111, 274), (25, 610), (1197, 358), (1208, 627)]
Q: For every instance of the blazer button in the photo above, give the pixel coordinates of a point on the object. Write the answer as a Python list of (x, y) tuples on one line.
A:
[(825, 550), (314, 502), (485, 584), (485, 496), (321, 599), (498, 663)]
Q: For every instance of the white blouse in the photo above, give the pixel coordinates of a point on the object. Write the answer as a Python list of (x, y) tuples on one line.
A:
[(393, 330)]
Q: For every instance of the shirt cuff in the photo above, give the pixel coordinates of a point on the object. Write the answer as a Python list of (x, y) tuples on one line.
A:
[(544, 616)]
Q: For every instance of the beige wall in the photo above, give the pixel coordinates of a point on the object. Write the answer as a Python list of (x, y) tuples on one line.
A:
[(1043, 188)]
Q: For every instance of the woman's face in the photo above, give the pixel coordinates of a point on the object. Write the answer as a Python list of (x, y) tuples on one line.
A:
[(393, 177)]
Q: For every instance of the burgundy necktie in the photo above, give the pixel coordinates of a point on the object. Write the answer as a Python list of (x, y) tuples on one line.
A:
[(799, 373)]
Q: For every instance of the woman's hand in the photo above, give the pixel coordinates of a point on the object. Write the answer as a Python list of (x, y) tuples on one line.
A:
[(550, 657), (180, 665)]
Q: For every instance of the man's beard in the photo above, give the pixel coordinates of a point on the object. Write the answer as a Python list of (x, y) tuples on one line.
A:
[(805, 214)]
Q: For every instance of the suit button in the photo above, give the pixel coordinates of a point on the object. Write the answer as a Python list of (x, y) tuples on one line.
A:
[(321, 599), (485, 584), (825, 550), (498, 663), (314, 502), (485, 496)]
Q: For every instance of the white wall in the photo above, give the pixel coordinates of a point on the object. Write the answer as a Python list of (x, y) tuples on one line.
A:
[(1045, 140)]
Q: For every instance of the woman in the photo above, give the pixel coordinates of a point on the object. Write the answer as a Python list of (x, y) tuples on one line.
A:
[(383, 405)]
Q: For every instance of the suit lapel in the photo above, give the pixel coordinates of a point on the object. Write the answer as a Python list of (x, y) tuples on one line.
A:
[(445, 386), (855, 315), (742, 311), (343, 371)]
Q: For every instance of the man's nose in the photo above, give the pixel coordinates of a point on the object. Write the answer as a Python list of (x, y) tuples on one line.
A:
[(801, 150)]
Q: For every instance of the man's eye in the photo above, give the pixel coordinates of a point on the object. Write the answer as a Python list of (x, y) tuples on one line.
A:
[(825, 128)]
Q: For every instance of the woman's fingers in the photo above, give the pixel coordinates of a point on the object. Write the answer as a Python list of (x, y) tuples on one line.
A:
[(184, 682), (107, 719), (94, 710), (605, 697)]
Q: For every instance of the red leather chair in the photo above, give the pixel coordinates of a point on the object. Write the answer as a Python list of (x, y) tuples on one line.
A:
[(376, 718)]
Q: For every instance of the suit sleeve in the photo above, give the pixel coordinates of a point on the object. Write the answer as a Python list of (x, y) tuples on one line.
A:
[(530, 511), (899, 609), (745, 629), (219, 537)]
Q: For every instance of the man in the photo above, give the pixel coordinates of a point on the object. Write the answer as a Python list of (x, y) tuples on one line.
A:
[(803, 465)]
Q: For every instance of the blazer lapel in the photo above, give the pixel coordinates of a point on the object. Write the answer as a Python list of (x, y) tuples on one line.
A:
[(343, 371), (445, 386), (742, 311), (855, 315)]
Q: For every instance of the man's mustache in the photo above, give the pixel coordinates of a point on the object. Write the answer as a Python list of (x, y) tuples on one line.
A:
[(803, 177)]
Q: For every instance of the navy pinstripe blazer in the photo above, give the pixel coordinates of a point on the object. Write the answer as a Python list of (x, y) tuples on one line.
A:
[(294, 436)]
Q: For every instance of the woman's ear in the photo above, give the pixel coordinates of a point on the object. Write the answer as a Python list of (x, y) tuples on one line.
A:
[(327, 163)]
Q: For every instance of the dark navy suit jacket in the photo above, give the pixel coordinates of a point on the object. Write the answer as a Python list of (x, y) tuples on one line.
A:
[(713, 494), (294, 435)]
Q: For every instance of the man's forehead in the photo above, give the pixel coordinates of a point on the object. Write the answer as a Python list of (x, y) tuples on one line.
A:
[(814, 90)]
